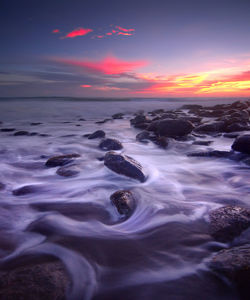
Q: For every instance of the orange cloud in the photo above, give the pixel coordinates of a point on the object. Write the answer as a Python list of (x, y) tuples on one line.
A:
[(78, 32), (124, 33), (124, 29), (109, 65), (56, 31)]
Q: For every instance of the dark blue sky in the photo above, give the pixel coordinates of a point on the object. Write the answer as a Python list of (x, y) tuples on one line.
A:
[(163, 48)]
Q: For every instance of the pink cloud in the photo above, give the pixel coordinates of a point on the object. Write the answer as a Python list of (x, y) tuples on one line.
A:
[(78, 32), (124, 29), (109, 65), (124, 33), (86, 85), (56, 31)]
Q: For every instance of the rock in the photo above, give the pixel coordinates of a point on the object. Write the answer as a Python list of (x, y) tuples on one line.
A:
[(8, 129), (212, 127), (143, 136), (236, 127), (35, 123), (191, 106), (141, 125), (22, 132), (160, 141), (227, 222), (139, 119), (234, 263), (68, 171), (124, 165), (61, 160), (242, 144), (239, 105), (118, 116), (103, 121), (123, 201), (97, 134), (110, 144), (24, 190), (203, 143), (81, 119), (44, 135), (213, 153), (174, 128), (231, 135), (2, 186), (44, 281)]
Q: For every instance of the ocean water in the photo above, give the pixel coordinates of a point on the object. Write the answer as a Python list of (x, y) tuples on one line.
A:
[(161, 251)]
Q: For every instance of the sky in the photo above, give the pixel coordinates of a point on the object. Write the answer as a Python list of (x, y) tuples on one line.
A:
[(106, 48)]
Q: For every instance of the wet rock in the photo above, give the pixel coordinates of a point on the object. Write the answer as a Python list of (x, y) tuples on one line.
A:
[(212, 127), (174, 128), (61, 160), (234, 263), (242, 144), (22, 132), (8, 129), (239, 105), (141, 125), (24, 190), (160, 141), (228, 222), (124, 165), (68, 171), (123, 201), (44, 135), (44, 281), (203, 143), (2, 186), (103, 121), (236, 127), (97, 134), (143, 136), (213, 153), (81, 119), (139, 119), (33, 134), (110, 144), (35, 123), (191, 106), (158, 111), (231, 135), (118, 116)]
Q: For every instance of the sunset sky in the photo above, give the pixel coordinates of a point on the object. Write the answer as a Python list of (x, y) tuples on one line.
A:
[(104, 48)]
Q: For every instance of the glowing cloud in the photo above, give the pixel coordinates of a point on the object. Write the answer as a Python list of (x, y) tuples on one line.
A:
[(56, 31), (78, 32), (109, 65), (124, 33), (86, 85), (124, 29)]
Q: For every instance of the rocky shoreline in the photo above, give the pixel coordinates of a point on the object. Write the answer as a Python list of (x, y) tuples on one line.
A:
[(191, 124)]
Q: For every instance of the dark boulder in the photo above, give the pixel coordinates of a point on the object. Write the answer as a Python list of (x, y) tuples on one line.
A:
[(139, 119), (231, 135), (160, 141), (191, 106), (44, 281), (234, 263), (21, 132), (124, 165), (8, 129), (143, 136), (211, 127), (236, 127), (118, 116), (242, 144), (68, 171), (97, 134), (123, 201), (61, 160), (24, 190), (203, 143), (173, 128), (110, 144), (228, 222)]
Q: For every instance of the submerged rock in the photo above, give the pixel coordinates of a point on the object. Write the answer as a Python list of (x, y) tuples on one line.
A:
[(97, 134), (118, 116), (202, 143), (24, 190), (173, 128), (21, 132), (143, 136), (44, 281), (124, 165), (213, 153), (242, 144), (234, 263), (68, 171), (8, 129), (123, 201), (61, 160), (110, 144), (228, 222)]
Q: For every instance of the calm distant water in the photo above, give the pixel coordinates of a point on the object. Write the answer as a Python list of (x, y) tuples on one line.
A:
[(161, 251)]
